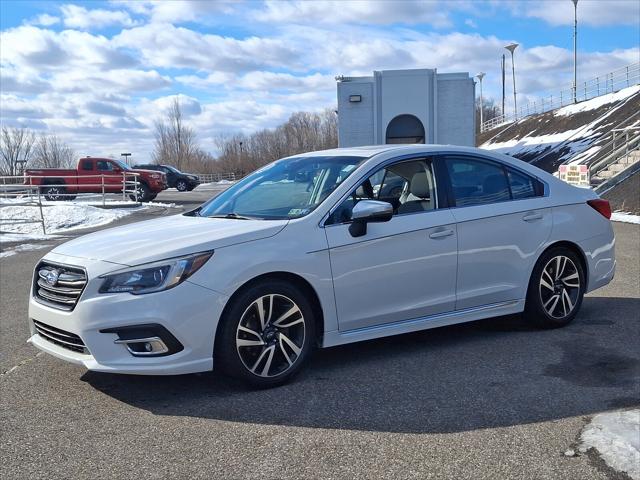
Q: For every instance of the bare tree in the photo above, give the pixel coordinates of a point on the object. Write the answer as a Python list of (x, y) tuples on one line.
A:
[(16, 146), (175, 142), (51, 152)]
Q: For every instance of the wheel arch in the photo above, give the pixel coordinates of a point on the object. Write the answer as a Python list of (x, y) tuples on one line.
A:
[(292, 278), (575, 248)]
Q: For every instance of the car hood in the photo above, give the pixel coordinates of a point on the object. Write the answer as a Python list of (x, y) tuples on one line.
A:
[(167, 237)]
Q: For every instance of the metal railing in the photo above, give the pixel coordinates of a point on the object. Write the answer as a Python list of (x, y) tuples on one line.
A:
[(31, 190), (216, 177), (617, 151), (601, 85)]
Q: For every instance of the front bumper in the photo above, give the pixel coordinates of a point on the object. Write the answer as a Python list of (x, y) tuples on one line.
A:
[(189, 312)]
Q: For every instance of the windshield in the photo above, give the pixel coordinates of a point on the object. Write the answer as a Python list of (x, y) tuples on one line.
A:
[(121, 164), (173, 169), (289, 188)]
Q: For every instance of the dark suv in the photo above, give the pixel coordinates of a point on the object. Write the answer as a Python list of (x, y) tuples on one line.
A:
[(175, 178)]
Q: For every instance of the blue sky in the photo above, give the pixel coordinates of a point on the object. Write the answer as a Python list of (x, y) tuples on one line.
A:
[(99, 73)]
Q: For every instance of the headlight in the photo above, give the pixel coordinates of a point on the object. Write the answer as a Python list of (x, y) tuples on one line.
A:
[(154, 277)]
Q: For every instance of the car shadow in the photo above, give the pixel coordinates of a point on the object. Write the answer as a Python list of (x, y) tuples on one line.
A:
[(493, 373)]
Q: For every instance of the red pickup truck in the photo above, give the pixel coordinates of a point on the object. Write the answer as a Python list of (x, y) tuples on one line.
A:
[(95, 175)]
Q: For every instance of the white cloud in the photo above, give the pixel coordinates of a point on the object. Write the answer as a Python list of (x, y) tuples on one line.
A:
[(357, 11), (75, 16), (44, 20), (590, 12)]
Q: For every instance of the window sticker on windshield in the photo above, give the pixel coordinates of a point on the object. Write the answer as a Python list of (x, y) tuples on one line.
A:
[(295, 212)]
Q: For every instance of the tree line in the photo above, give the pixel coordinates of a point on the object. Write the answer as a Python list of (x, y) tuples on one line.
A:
[(20, 147)]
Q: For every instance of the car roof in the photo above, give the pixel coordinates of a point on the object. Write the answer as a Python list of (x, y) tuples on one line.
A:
[(371, 150)]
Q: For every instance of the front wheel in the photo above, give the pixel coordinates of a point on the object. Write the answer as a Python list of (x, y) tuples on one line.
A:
[(266, 334), (181, 185), (556, 289), (144, 193)]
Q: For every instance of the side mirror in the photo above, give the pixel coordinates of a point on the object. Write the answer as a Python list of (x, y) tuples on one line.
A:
[(368, 211)]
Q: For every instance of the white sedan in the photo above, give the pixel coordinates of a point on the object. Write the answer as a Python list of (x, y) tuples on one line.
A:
[(324, 249)]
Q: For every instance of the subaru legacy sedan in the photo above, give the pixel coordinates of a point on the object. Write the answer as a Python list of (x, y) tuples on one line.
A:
[(324, 249)]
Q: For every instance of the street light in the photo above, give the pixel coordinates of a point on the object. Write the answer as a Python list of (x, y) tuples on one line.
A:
[(511, 47), (126, 157), (575, 51), (480, 76)]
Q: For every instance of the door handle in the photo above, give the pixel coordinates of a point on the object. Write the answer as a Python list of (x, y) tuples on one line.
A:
[(532, 216), (441, 233)]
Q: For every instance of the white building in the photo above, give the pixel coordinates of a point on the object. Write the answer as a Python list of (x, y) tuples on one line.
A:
[(406, 106)]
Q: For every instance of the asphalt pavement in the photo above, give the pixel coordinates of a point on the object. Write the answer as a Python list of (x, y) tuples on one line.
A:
[(489, 400)]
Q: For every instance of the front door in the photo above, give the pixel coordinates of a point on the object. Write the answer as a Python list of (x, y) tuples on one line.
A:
[(401, 269)]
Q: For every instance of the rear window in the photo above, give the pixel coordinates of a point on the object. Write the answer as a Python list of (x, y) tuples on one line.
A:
[(86, 165), (522, 186)]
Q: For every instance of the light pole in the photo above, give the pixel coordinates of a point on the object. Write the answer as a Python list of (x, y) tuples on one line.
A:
[(126, 157), (575, 51), (480, 76), (511, 47)]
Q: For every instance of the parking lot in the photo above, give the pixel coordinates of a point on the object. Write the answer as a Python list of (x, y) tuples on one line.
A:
[(492, 399)]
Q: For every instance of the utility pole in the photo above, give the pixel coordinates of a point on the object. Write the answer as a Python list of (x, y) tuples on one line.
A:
[(575, 51), (511, 47), (503, 61), (480, 76)]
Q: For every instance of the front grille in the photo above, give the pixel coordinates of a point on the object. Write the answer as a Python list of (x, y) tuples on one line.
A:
[(67, 340), (58, 286)]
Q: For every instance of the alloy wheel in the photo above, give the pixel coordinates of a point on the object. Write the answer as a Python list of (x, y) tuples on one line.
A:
[(559, 286), (53, 193), (270, 335)]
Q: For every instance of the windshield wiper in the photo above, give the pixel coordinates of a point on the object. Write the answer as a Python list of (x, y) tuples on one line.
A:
[(231, 215)]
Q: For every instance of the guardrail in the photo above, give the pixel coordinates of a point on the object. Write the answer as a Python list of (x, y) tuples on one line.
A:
[(216, 177), (608, 83), (27, 193)]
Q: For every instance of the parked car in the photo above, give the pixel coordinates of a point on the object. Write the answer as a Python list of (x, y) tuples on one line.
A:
[(175, 178), (64, 184), (256, 277)]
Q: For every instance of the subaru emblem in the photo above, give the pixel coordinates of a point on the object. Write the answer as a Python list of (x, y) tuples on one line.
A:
[(52, 277)]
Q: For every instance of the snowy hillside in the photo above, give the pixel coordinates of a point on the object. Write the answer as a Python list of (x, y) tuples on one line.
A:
[(573, 133)]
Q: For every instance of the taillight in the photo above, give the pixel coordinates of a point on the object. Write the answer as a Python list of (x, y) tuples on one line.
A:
[(601, 206)]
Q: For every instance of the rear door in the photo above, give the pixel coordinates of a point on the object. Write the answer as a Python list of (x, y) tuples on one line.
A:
[(502, 223), (401, 269)]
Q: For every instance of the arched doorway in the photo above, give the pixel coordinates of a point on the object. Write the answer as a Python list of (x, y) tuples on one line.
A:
[(405, 129)]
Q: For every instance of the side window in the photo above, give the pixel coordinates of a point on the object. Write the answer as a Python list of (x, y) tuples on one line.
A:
[(476, 182), (409, 186), (522, 186), (87, 165), (104, 166)]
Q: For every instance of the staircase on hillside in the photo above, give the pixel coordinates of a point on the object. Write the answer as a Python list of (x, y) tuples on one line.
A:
[(624, 160)]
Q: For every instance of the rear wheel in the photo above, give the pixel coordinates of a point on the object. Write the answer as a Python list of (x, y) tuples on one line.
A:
[(556, 289), (53, 193), (266, 335)]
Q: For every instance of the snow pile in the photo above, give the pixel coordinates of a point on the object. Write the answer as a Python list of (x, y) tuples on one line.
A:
[(532, 144), (616, 436), (625, 218), (59, 217), (26, 247)]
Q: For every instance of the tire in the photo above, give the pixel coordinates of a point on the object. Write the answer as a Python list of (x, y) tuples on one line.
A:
[(53, 193), (152, 197), (182, 186), (553, 300), (144, 193), (266, 356)]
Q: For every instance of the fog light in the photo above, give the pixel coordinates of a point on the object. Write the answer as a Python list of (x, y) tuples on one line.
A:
[(144, 346)]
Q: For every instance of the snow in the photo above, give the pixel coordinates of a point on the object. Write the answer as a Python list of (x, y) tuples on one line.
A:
[(533, 143), (26, 247), (616, 436), (597, 102), (625, 218), (59, 218)]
